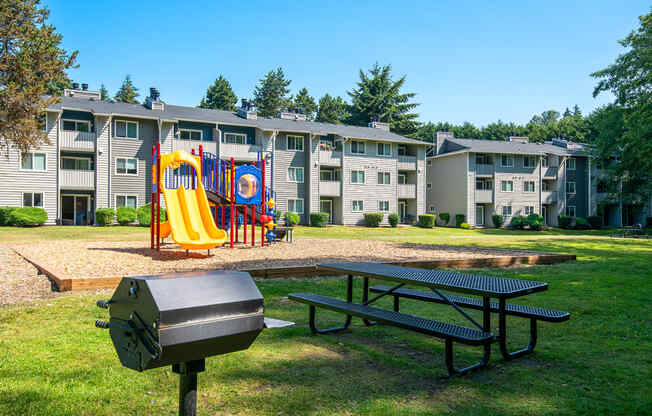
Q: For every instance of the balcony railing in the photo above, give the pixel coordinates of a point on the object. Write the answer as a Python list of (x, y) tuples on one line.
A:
[(330, 188), (77, 179), (486, 170), (407, 163), (330, 157), (550, 172), (240, 151), (548, 197), (78, 140), (484, 196), (407, 190), (190, 145)]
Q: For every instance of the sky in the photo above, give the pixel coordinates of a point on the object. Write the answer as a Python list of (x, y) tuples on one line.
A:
[(474, 61)]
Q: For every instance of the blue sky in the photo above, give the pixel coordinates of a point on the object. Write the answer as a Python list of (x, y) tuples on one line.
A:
[(467, 60)]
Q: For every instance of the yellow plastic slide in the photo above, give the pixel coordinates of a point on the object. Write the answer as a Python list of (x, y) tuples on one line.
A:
[(189, 217)]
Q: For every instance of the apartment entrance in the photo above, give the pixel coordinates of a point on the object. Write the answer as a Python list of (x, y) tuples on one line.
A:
[(402, 210), (479, 215), (544, 214), (326, 205), (75, 209)]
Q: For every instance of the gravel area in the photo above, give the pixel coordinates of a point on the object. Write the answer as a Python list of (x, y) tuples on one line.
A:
[(20, 281), (113, 259)]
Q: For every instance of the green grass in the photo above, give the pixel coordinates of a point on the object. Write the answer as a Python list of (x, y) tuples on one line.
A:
[(600, 362)]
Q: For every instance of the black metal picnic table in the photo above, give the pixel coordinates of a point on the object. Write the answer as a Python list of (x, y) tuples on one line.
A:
[(485, 286)]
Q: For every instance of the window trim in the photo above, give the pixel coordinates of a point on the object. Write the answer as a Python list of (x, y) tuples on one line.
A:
[(428, 185), (511, 211), (115, 199), (295, 137), (201, 134), (510, 156), (574, 210), (76, 121), (126, 170), (22, 202), (574, 187), (501, 186), (90, 162), (364, 177), (383, 173), (545, 161), (364, 145), (388, 206), (115, 129), (529, 157), (398, 179), (20, 162), (244, 142), (534, 187), (384, 145), (303, 177), (303, 208), (525, 209), (330, 172), (574, 163), (361, 205)]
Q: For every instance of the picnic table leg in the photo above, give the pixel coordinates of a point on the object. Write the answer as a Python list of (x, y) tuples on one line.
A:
[(486, 323), (365, 298), (502, 326), (349, 298)]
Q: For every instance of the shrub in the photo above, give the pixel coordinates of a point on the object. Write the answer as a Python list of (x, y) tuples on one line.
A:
[(104, 216), (565, 221), (319, 219), (373, 219), (581, 223), (444, 217), (518, 222), (535, 221), (465, 225), (426, 220), (28, 217), (144, 215), (126, 215), (394, 219), (5, 213), (498, 220), (291, 218), (459, 219), (595, 221)]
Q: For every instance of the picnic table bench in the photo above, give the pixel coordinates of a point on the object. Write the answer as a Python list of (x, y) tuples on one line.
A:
[(484, 286)]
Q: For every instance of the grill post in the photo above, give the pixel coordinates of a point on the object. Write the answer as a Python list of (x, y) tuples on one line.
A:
[(188, 385)]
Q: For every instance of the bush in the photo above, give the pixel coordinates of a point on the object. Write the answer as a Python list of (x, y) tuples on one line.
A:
[(459, 219), (444, 217), (535, 221), (5, 213), (581, 223), (426, 220), (518, 222), (498, 220), (126, 215), (564, 221), (291, 218), (144, 215), (104, 216), (394, 219), (28, 217), (595, 221), (319, 219), (465, 225), (373, 219)]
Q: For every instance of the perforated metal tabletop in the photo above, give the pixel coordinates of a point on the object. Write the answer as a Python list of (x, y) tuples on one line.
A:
[(499, 287)]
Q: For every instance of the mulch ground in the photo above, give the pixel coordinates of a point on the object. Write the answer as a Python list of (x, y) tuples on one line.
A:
[(20, 281)]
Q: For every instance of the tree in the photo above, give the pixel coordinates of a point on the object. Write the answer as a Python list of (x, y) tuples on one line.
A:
[(379, 97), (332, 110), (220, 96), (270, 95), (32, 64), (500, 130), (127, 92), (104, 94), (466, 131), (304, 103)]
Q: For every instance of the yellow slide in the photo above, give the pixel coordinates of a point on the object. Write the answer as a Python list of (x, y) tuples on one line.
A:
[(189, 217)]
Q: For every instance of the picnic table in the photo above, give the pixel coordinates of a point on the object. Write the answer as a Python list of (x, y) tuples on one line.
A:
[(435, 280)]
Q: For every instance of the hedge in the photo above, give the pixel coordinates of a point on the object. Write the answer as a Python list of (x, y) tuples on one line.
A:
[(126, 215), (426, 220), (28, 217), (459, 219), (595, 221), (144, 215), (565, 221), (581, 223), (535, 222), (394, 219), (319, 219), (518, 222), (498, 220), (465, 225), (291, 218), (373, 219), (104, 216), (5, 213), (444, 217)]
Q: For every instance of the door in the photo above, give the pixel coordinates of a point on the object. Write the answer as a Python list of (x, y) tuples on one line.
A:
[(67, 210), (544, 213), (402, 210), (479, 215), (75, 209), (326, 205), (81, 210)]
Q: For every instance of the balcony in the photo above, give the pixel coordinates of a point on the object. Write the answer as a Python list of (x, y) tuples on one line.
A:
[(550, 172), (484, 170), (77, 179), (78, 141), (548, 197), (407, 191), (330, 188), (484, 196), (330, 158), (190, 145), (240, 151), (407, 163)]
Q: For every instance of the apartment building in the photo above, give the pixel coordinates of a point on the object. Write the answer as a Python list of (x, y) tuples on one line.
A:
[(100, 156)]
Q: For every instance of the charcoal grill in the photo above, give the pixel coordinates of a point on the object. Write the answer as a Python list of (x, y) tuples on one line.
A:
[(180, 319)]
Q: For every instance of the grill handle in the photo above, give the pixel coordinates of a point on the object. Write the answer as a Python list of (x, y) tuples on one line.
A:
[(107, 325), (104, 304)]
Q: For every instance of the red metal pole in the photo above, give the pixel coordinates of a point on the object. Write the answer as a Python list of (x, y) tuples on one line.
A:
[(237, 229), (232, 198), (192, 182), (262, 203), (244, 210), (158, 196), (253, 225), (153, 193), (223, 219)]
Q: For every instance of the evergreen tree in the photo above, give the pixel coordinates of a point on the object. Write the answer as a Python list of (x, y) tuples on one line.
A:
[(466, 131), (567, 112), (270, 95), (32, 64), (577, 111), (104, 94), (220, 96), (127, 92), (379, 97), (332, 110), (304, 103)]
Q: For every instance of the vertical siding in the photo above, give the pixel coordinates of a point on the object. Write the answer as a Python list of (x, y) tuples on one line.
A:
[(421, 180), (283, 159), (312, 183), (103, 129)]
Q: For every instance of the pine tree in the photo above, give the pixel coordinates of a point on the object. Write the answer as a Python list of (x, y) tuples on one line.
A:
[(220, 96), (127, 92), (270, 95), (104, 94), (304, 103), (332, 110)]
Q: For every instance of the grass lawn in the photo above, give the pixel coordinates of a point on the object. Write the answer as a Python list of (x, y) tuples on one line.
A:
[(54, 362)]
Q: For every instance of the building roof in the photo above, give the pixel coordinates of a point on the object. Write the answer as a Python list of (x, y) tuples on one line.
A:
[(511, 147), (176, 113)]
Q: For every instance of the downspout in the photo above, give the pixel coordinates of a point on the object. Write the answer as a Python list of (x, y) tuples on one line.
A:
[(344, 141), (58, 124), (562, 165), (589, 203), (540, 187), (108, 141)]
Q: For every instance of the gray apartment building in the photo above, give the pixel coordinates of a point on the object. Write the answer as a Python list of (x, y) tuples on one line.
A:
[(100, 156), (515, 177)]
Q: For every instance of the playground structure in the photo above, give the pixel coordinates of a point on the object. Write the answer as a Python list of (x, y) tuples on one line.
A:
[(207, 198)]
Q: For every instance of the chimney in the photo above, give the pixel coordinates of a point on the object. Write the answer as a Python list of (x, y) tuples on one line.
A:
[(287, 115), (84, 87), (153, 102), (76, 92), (247, 110), (518, 139), (75, 85), (442, 136)]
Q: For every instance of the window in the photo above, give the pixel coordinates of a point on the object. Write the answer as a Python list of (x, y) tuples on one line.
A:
[(483, 184), (235, 138), (126, 201), (507, 161), (428, 186), (384, 178), (429, 163), (357, 206), (357, 176), (529, 210), (507, 186), (570, 210), (33, 161), (529, 161), (570, 187), (571, 163), (357, 147), (295, 205), (325, 175), (384, 149), (77, 125), (383, 206), (528, 186), (431, 208), (402, 150), (126, 166), (76, 163), (402, 179), (295, 143), (295, 175), (482, 159), (187, 134), (544, 161), (507, 211), (33, 199), (126, 129), (545, 186)]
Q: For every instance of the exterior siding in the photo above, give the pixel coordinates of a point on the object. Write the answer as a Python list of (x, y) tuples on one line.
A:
[(448, 176), (284, 159), (102, 162), (518, 199)]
